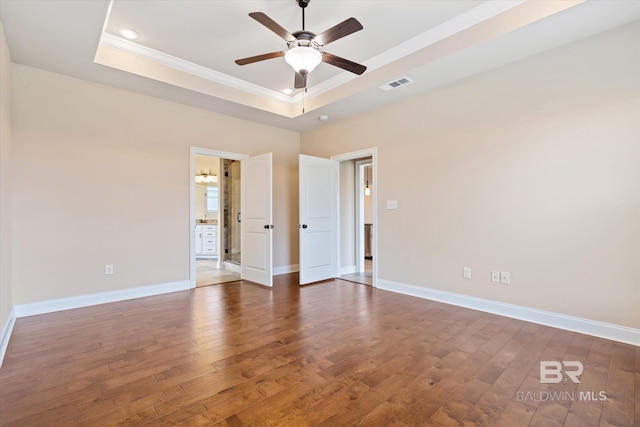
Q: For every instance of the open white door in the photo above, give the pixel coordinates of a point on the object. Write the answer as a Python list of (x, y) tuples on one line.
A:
[(318, 219), (257, 222)]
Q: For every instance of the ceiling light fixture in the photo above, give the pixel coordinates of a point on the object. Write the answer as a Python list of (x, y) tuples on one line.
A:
[(303, 54), (323, 118), (287, 91), (303, 59), (128, 33), (204, 177)]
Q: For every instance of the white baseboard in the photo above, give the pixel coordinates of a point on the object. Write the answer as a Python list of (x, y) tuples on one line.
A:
[(6, 334), (50, 306), (285, 269), (576, 324), (347, 270)]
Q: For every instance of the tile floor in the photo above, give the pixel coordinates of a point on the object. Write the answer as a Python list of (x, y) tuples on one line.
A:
[(208, 273), (365, 278)]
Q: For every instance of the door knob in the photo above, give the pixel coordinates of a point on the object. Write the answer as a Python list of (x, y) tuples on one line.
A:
[(268, 226), (303, 226)]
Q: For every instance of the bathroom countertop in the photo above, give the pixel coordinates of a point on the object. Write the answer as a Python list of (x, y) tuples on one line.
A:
[(207, 221)]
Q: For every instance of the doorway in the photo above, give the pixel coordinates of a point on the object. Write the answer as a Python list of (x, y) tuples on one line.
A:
[(254, 224), (356, 220), (207, 222), (214, 195), (331, 243)]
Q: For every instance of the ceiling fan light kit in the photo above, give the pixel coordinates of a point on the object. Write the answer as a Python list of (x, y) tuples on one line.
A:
[(303, 58), (304, 47)]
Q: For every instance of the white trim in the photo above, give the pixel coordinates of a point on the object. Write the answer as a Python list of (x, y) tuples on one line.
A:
[(6, 334), (474, 16), (349, 269), (570, 323), (455, 25), (50, 306), (179, 64), (286, 269)]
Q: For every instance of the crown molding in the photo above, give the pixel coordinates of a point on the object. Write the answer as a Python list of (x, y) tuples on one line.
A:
[(179, 64)]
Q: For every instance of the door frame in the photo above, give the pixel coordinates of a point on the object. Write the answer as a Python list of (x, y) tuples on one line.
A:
[(193, 152), (354, 155)]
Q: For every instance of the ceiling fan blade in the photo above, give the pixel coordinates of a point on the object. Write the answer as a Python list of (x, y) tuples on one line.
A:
[(252, 59), (336, 32), (272, 25), (301, 80), (345, 64)]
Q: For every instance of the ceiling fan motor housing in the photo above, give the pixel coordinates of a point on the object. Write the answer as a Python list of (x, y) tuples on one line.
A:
[(304, 38), (303, 3)]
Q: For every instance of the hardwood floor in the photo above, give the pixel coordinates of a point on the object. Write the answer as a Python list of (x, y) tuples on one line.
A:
[(334, 353)]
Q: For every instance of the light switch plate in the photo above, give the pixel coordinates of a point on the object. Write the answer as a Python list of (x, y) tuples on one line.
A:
[(466, 272), (495, 276), (108, 269), (392, 204)]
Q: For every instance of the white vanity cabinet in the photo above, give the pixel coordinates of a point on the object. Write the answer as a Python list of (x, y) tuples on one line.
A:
[(207, 240)]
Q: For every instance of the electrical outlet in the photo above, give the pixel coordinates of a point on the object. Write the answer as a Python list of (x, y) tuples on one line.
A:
[(505, 277), (495, 276), (466, 272), (108, 269)]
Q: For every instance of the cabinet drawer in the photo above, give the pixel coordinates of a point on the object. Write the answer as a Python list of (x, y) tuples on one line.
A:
[(211, 234), (208, 250), (206, 228), (208, 241)]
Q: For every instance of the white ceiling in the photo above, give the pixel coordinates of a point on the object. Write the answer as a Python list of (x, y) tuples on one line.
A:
[(187, 48)]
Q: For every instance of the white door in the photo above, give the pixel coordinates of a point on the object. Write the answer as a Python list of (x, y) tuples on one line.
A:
[(257, 222), (318, 219)]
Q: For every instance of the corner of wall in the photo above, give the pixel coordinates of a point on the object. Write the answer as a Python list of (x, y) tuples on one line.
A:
[(7, 315)]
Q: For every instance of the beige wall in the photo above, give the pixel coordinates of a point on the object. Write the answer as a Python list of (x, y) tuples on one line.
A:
[(83, 153), (6, 298), (532, 168)]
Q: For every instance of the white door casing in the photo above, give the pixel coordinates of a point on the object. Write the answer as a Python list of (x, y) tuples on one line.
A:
[(318, 218), (257, 220)]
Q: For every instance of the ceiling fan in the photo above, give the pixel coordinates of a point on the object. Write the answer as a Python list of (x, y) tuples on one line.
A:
[(304, 52)]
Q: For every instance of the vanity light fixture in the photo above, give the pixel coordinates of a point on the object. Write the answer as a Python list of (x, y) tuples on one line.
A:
[(204, 177), (367, 190)]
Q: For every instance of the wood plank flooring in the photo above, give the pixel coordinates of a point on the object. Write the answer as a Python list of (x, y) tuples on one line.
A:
[(334, 353)]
